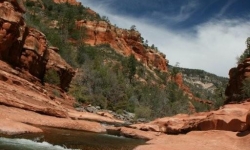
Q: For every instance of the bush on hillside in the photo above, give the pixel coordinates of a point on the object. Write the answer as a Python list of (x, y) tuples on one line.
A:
[(246, 88), (52, 77)]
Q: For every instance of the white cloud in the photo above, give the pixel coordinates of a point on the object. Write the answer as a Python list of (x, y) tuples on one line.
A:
[(212, 46)]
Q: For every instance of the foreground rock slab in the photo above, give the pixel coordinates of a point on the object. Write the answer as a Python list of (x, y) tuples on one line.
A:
[(93, 117), (230, 117), (32, 118), (197, 140), (9, 127)]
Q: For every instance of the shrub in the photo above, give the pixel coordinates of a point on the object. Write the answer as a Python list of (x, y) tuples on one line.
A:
[(142, 112), (30, 3), (246, 88), (200, 107), (52, 77), (56, 93)]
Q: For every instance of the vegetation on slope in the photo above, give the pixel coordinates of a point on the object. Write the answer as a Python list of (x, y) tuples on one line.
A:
[(105, 78)]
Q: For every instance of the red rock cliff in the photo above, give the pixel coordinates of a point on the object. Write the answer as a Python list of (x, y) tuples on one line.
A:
[(236, 77), (125, 42), (72, 2), (26, 48)]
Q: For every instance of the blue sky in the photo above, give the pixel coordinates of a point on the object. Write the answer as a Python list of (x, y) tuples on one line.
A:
[(200, 34)]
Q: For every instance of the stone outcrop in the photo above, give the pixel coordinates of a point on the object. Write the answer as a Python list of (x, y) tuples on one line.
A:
[(25, 57), (24, 104), (125, 42), (12, 28), (226, 128), (231, 117), (236, 77), (64, 70), (26, 48)]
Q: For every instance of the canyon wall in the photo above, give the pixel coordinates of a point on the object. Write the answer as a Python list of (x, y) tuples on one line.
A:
[(236, 77), (26, 48), (124, 41)]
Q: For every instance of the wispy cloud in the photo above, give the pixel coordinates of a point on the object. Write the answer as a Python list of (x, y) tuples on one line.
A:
[(180, 13), (225, 7), (212, 46), (187, 10)]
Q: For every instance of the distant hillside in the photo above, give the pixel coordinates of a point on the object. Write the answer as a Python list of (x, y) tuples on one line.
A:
[(203, 84)]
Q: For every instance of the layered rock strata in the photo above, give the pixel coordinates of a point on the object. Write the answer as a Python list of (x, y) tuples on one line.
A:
[(26, 48), (125, 42), (236, 77)]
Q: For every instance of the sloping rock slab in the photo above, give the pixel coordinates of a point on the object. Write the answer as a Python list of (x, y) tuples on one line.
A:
[(132, 133), (29, 117), (197, 140), (9, 127)]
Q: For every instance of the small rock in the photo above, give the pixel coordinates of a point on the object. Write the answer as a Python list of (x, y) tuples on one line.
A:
[(91, 109)]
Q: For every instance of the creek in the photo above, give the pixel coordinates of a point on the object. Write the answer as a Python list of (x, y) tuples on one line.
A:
[(61, 139)]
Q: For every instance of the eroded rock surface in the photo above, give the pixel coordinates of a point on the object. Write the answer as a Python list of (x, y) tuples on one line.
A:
[(231, 117), (125, 42), (25, 57), (197, 140), (13, 128), (63, 69), (26, 48), (236, 76)]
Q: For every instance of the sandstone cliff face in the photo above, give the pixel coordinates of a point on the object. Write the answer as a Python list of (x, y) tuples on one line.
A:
[(26, 48), (236, 77), (125, 42), (24, 59), (72, 2)]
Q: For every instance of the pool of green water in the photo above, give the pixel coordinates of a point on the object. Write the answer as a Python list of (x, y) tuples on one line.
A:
[(60, 139)]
